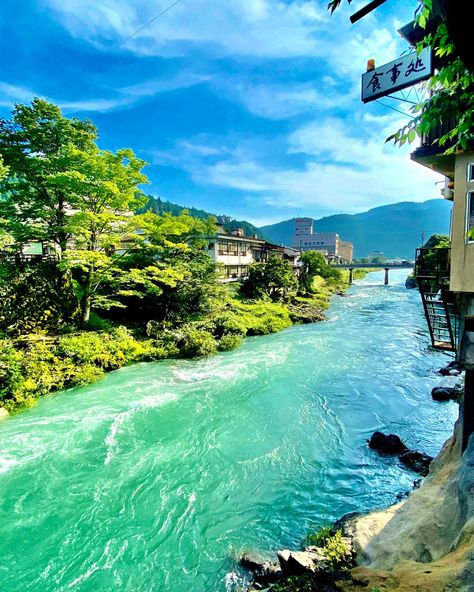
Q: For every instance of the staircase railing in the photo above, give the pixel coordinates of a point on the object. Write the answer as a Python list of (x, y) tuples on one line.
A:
[(432, 268)]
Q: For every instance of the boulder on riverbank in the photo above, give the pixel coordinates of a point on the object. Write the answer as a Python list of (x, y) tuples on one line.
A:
[(411, 283), (305, 313), (315, 568), (264, 571), (452, 369), (416, 461), (419, 462), (446, 393)]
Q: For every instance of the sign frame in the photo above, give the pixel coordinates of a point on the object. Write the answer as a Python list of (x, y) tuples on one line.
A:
[(396, 75)]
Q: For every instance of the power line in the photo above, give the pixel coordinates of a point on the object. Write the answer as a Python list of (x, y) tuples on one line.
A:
[(147, 24)]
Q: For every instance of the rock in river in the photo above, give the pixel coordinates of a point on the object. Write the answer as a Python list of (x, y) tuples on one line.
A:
[(416, 461), (445, 393), (386, 443)]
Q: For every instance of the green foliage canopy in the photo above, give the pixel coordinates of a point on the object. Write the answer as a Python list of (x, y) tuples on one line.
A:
[(312, 264), (275, 279), (36, 145)]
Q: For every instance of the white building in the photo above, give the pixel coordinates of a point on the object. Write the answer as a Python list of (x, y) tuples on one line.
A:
[(236, 252), (328, 243)]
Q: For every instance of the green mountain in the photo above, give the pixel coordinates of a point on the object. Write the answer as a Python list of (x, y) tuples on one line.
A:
[(160, 207), (395, 229)]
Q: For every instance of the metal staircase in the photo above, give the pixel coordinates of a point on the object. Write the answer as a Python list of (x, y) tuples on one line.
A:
[(432, 274)]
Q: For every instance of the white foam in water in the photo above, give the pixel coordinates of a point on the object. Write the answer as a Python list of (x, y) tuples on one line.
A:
[(152, 401), (7, 463), (231, 579)]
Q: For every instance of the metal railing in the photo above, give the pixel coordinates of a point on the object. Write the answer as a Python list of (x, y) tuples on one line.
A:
[(433, 263), (26, 258), (431, 139)]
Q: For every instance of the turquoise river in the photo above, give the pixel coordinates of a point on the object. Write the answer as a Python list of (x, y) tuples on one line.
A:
[(158, 477)]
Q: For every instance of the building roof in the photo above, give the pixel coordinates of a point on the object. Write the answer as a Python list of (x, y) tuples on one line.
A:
[(231, 237)]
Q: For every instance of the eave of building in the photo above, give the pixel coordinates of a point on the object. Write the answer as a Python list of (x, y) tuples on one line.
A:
[(431, 158), (230, 237)]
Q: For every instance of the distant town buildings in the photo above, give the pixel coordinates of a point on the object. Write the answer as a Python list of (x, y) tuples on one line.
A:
[(328, 243), (375, 255)]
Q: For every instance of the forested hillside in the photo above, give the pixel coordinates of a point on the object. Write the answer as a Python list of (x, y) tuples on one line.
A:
[(157, 205)]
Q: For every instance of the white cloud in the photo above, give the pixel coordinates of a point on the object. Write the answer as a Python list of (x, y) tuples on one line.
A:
[(123, 97), (278, 101), (10, 94), (271, 28), (152, 87), (342, 171)]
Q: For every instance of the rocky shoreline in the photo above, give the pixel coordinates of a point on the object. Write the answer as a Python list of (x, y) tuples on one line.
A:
[(425, 542)]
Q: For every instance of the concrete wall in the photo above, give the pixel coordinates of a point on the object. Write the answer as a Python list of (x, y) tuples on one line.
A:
[(346, 250), (462, 249)]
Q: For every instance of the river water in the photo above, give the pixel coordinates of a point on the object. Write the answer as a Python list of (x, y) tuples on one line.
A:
[(156, 478)]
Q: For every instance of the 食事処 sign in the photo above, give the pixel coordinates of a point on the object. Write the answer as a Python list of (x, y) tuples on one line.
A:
[(397, 75)]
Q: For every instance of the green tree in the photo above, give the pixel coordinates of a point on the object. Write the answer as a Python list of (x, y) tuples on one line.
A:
[(36, 146), (3, 169), (313, 264), (103, 229), (174, 245), (275, 279)]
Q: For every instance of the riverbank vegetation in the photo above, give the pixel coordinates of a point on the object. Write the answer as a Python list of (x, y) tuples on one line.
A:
[(91, 281)]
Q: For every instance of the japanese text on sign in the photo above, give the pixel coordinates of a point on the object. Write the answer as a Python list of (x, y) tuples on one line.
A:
[(397, 75)]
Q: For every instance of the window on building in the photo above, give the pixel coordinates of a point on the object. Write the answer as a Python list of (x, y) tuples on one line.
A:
[(470, 217), (470, 172)]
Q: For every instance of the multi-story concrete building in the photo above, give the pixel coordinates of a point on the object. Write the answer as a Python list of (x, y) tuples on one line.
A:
[(328, 243), (346, 251)]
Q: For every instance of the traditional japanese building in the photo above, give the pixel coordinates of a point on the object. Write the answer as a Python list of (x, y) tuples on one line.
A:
[(236, 252)]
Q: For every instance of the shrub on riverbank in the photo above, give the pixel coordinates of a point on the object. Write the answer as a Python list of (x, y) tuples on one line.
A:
[(38, 364)]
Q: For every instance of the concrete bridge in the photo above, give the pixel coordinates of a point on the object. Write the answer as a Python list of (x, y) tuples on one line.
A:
[(404, 265), (385, 266)]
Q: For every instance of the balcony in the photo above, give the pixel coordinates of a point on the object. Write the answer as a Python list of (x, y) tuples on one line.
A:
[(433, 263), (431, 154)]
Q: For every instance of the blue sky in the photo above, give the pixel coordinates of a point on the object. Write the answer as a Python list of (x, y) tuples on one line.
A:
[(245, 107)]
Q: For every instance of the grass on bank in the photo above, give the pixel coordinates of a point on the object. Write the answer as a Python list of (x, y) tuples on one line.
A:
[(36, 364)]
